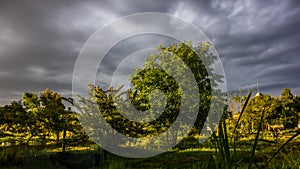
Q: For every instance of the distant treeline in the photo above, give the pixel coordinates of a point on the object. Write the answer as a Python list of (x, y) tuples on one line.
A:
[(44, 118), (279, 112)]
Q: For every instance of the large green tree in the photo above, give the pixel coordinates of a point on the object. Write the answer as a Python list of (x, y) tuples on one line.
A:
[(199, 59)]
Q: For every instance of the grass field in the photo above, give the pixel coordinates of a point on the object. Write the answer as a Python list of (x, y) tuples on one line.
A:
[(205, 156)]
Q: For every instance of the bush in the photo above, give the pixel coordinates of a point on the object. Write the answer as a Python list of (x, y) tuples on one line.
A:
[(11, 155)]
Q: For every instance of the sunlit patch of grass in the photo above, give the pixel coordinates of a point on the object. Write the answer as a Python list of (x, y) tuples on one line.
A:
[(199, 150)]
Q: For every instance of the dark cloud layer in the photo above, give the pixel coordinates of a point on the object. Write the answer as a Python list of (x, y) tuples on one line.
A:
[(40, 40)]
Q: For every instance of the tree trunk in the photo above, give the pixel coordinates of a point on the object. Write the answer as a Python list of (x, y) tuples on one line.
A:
[(27, 142), (175, 133), (168, 139), (57, 138), (64, 139)]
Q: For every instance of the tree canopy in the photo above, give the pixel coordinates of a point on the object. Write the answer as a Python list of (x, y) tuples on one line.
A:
[(153, 87)]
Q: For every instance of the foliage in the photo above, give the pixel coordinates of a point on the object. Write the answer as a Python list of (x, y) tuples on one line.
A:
[(290, 109), (283, 110), (199, 59), (221, 139), (11, 119), (258, 105), (153, 87), (39, 118)]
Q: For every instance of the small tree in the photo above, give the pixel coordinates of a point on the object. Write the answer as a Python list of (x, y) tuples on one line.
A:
[(54, 112), (256, 106), (12, 120), (36, 122), (290, 109)]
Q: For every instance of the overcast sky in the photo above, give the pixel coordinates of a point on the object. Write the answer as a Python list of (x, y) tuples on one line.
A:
[(41, 40)]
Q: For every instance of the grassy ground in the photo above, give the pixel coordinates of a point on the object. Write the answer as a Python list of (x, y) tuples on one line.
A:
[(193, 158), (205, 156), (182, 159)]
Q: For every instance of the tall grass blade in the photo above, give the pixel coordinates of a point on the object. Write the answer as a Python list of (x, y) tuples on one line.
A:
[(235, 128), (281, 147), (242, 111), (256, 140), (226, 145), (221, 143), (256, 165), (216, 141), (221, 140), (213, 162)]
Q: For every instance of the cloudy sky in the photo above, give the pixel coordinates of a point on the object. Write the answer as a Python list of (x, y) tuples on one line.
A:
[(41, 40)]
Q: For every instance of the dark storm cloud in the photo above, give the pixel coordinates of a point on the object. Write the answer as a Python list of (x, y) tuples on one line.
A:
[(122, 50), (40, 40), (262, 37)]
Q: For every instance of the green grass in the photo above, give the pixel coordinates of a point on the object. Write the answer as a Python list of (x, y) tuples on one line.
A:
[(192, 158), (197, 158)]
